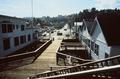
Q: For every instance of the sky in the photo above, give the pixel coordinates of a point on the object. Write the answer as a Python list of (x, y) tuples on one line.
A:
[(22, 8)]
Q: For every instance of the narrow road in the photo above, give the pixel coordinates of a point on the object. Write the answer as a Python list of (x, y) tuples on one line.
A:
[(40, 65)]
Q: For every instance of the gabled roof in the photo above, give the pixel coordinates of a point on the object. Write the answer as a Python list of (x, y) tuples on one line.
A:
[(93, 27), (89, 25), (110, 25)]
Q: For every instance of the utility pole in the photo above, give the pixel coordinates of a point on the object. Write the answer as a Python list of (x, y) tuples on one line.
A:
[(32, 11)]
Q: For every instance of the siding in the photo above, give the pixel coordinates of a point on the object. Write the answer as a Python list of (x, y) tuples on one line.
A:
[(99, 39), (15, 33)]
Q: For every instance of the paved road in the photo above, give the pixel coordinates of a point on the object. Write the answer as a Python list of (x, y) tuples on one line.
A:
[(40, 65)]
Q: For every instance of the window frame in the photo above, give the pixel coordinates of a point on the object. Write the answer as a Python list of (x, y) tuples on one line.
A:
[(16, 41), (6, 43)]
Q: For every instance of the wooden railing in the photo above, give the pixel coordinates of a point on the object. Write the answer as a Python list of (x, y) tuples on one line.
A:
[(75, 46), (112, 72), (67, 45), (35, 54), (70, 40), (108, 62), (65, 56), (41, 49)]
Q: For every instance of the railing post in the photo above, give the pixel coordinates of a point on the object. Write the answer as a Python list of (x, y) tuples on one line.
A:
[(64, 61), (118, 59), (65, 47), (57, 58), (106, 63), (102, 64)]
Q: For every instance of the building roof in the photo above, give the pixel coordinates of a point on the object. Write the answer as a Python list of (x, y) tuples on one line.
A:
[(89, 24), (110, 25), (5, 16)]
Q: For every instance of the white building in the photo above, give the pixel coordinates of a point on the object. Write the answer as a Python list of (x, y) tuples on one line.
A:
[(76, 28), (14, 34), (77, 25), (101, 36)]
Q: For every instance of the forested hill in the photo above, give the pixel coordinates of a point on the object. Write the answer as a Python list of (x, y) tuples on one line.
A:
[(61, 20), (92, 13)]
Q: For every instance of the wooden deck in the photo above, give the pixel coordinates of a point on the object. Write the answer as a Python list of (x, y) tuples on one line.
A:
[(40, 65)]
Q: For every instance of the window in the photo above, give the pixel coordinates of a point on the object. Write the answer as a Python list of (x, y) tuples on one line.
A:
[(92, 45), (106, 55), (22, 27), (10, 28), (96, 49), (17, 27), (13, 27), (22, 39), (4, 28), (16, 41), (6, 43), (7, 28), (29, 37)]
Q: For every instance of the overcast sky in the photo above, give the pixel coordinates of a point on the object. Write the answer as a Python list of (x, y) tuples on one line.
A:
[(22, 8)]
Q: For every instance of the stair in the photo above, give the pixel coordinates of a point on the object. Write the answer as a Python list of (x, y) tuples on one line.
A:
[(41, 64), (108, 68)]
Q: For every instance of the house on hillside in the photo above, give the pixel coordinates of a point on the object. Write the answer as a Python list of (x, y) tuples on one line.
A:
[(15, 34), (101, 37)]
